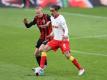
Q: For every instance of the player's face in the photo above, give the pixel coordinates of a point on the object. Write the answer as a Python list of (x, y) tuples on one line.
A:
[(52, 10), (39, 13)]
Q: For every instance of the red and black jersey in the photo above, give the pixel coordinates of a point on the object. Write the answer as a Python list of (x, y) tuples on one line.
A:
[(41, 21)]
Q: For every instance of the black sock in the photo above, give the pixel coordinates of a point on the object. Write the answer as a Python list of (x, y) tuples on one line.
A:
[(46, 62), (38, 58)]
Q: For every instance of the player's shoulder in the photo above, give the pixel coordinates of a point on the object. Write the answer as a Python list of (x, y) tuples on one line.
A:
[(61, 16)]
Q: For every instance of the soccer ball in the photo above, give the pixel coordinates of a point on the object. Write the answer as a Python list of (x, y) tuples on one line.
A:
[(39, 72)]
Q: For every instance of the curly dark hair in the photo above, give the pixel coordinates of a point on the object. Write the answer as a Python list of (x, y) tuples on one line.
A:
[(56, 7)]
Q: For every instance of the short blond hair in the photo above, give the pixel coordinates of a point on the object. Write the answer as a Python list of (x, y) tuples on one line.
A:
[(39, 8)]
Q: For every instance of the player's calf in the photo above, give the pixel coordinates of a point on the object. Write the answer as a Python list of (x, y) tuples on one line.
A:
[(76, 63)]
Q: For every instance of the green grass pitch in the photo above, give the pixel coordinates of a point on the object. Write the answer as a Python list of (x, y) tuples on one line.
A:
[(88, 38)]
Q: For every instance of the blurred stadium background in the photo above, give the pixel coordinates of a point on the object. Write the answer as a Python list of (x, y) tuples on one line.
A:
[(87, 23), (44, 3)]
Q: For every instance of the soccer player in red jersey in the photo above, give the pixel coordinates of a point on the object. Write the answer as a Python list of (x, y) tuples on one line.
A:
[(43, 23), (60, 40)]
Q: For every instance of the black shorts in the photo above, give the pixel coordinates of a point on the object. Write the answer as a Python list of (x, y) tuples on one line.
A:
[(40, 42)]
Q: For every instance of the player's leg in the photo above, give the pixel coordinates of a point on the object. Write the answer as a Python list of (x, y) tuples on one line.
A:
[(44, 56), (40, 69), (65, 47), (52, 45), (41, 49), (37, 55), (37, 52), (75, 62)]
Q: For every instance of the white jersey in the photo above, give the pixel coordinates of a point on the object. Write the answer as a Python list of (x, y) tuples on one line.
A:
[(59, 27)]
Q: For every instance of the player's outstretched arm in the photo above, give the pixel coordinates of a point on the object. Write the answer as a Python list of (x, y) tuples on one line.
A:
[(27, 24)]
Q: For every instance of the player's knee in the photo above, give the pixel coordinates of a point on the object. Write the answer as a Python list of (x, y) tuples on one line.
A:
[(46, 48), (67, 54), (36, 53), (67, 57), (41, 49)]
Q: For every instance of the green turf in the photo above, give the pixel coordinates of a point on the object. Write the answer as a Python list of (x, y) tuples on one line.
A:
[(88, 37)]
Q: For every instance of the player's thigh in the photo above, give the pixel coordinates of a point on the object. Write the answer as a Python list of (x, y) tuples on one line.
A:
[(38, 43), (41, 48), (65, 46), (47, 48), (36, 52), (53, 45)]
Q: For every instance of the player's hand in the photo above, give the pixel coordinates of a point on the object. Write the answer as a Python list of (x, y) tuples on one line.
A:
[(42, 26), (47, 37), (65, 37), (25, 21)]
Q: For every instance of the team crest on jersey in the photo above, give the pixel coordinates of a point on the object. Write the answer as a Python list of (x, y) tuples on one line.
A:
[(55, 26)]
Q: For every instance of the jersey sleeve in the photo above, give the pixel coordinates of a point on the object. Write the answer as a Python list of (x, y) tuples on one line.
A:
[(64, 26), (28, 25)]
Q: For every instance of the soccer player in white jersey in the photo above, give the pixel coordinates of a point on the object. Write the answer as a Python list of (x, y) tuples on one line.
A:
[(60, 39)]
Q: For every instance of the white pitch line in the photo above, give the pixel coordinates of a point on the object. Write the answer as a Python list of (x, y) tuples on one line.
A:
[(90, 16), (84, 15), (94, 36), (81, 15), (88, 53)]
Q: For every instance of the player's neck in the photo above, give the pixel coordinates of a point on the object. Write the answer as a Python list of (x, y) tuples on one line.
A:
[(56, 15), (41, 15)]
